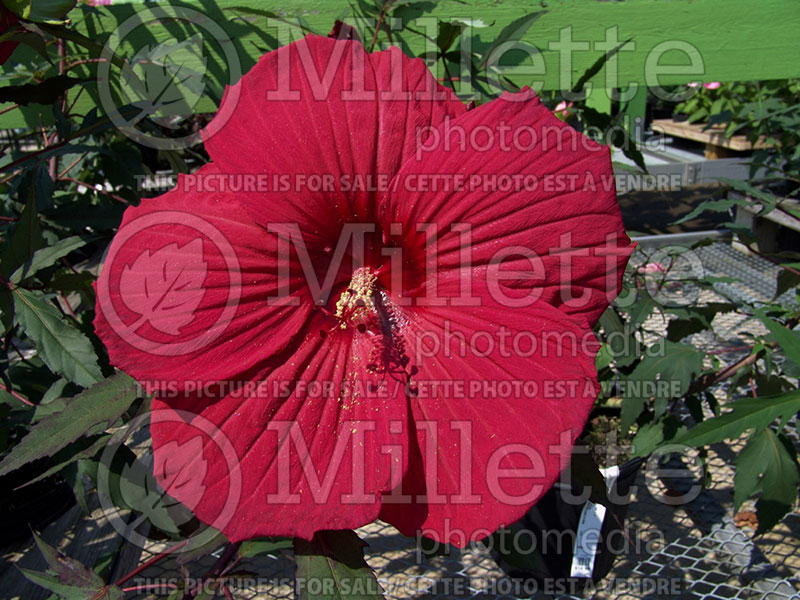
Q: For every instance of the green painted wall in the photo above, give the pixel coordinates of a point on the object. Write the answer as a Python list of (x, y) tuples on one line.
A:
[(727, 39)]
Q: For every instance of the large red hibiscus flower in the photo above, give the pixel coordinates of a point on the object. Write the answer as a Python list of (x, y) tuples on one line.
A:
[(381, 300)]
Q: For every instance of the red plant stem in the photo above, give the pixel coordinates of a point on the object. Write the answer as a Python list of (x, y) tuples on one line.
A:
[(729, 350), (22, 399), (377, 28), (67, 305), (150, 562), (75, 162), (74, 100), (5, 110), (711, 379)]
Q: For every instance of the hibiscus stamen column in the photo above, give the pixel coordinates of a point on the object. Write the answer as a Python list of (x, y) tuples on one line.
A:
[(365, 306)]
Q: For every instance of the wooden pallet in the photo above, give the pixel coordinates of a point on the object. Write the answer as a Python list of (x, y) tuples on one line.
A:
[(717, 145)]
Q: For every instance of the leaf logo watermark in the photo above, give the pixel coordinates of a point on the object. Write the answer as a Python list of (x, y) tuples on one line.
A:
[(166, 80), (166, 287), (163, 82), (163, 290), (131, 476)]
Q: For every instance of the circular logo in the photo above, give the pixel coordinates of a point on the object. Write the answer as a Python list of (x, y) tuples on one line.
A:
[(673, 282), (174, 298), (163, 81), (184, 465)]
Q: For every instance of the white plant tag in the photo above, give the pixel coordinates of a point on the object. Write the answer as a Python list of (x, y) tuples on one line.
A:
[(588, 534)]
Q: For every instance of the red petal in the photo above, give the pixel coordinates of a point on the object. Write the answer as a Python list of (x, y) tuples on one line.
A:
[(582, 221), (275, 497), (491, 397), (7, 21), (325, 107), (183, 293)]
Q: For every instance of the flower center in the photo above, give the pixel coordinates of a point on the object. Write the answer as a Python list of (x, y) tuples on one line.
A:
[(365, 307), (356, 305)]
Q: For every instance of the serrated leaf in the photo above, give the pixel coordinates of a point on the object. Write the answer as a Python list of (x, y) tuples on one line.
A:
[(723, 205), (651, 435), (597, 66), (46, 257), (750, 466), (780, 481), (51, 583), (25, 239), (140, 491), (60, 345), (82, 449), (103, 403), (510, 33), (748, 413), (167, 79), (788, 340), (667, 376), (69, 578), (68, 570), (335, 559)]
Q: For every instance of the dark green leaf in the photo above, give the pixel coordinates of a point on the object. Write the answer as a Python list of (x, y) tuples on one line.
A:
[(780, 481), (510, 33), (597, 66), (268, 545), (25, 239), (47, 256), (786, 281), (68, 570), (41, 11), (69, 578), (651, 435), (201, 545), (335, 560), (667, 375), (632, 407), (641, 310), (103, 403), (61, 345), (751, 462), (788, 340), (748, 413)]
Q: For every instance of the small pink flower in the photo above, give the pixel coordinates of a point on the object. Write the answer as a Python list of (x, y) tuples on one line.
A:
[(562, 110), (653, 267), (712, 85), (694, 84)]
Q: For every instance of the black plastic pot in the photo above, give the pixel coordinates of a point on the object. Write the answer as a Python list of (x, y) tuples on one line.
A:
[(31, 506), (540, 546)]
